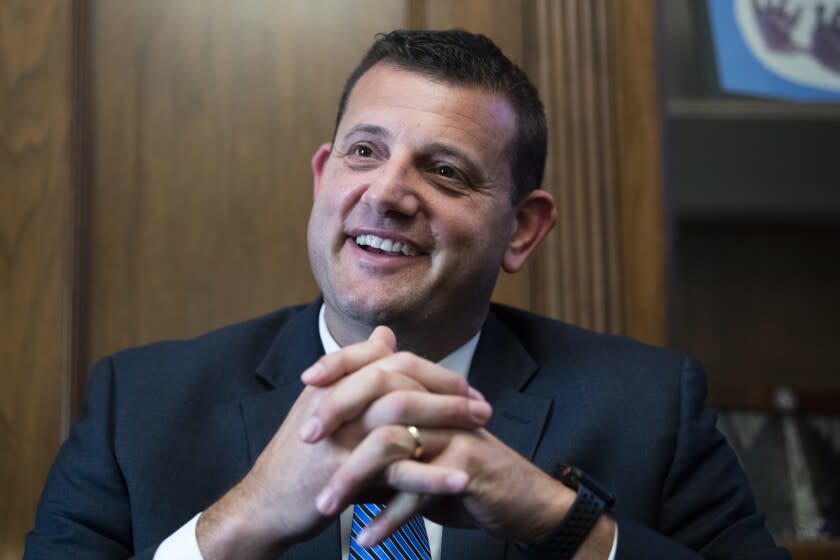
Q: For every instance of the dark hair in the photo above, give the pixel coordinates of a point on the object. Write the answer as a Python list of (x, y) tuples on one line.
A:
[(461, 58)]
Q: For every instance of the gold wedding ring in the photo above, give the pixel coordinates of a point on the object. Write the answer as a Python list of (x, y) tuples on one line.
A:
[(418, 442)]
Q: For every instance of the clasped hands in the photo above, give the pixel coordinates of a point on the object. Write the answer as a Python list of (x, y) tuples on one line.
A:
[(346, 441)]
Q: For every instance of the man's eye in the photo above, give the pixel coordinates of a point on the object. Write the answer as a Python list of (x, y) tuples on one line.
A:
[(362, 151), (446, 171)]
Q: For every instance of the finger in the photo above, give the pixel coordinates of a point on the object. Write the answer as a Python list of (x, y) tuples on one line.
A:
[(372, 457), (424, 478), (417, 478), (352, 395), (434, 378), (398, 511), (427, 410), (332, 367), (336, 405)]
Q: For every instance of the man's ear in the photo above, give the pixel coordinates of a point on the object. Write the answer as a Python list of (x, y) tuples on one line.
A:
[(319, 160), (535, 216)]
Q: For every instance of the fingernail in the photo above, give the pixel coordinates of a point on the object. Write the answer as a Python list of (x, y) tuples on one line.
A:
[(312, 373), (365, 539), (475, 394), (325, 502), (457, 481), (310, 430), (480, 411)]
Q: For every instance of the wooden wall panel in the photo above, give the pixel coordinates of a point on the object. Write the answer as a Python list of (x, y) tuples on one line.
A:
[(34, 201), (207, 114), (578, 268), (643, 219), (501, 20)]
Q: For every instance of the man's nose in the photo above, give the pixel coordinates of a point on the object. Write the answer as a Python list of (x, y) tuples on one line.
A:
[(394, 190)]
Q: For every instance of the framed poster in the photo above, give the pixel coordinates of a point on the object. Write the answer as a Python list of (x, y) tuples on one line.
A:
[(784, 49)]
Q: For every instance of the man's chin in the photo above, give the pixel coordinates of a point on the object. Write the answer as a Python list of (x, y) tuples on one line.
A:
[(375, 311)]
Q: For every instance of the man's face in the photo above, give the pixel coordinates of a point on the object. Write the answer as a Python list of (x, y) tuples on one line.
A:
[(412, 208)]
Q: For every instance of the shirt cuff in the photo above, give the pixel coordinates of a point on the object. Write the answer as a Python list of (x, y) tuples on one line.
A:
[(182, 544), (615, 543)]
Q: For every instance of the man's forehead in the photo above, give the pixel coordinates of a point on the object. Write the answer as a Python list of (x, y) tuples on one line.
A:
[(410, 98)]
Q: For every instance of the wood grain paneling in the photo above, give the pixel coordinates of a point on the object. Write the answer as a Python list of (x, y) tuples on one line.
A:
[(814, 550), (642, 211), (207, 115), (501, 20), (578, 272), (34, 200)]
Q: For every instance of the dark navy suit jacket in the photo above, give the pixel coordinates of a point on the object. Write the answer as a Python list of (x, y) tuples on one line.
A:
[(170, 427)]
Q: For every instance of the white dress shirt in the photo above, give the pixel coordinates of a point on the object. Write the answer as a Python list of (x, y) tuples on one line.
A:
[(183, 545)]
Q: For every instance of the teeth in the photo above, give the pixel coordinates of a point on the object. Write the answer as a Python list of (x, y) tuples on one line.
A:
[(388, 245)]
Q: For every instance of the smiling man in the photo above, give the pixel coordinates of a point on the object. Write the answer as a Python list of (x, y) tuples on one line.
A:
[(414, 210), (403, 415)]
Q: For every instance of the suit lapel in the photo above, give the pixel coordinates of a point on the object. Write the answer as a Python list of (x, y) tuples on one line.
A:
[(501, 368), (295, 348)]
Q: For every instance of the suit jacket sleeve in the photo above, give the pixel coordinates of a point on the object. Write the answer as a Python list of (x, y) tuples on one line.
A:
[(84, 511), (706, 508)]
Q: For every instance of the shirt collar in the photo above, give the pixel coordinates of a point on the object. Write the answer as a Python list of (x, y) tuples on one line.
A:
[(458, 360)]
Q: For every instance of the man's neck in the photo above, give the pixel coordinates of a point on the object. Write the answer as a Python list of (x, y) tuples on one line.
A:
[(431, 340)]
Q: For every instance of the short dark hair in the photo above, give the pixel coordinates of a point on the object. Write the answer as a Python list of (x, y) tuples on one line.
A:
[(460, 58)]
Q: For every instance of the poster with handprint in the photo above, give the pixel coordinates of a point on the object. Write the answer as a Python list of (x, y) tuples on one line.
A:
[(788, 49)]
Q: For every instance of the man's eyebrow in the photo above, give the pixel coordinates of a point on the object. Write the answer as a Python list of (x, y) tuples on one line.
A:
[(446, 149), (370, 129)]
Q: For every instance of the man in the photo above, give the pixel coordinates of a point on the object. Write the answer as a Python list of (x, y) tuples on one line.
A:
[(429, 187)]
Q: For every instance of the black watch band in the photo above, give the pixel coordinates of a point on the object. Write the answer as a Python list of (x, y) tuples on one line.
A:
[(591, 501)]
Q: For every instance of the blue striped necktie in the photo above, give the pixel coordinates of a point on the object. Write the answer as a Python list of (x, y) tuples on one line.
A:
[(409, 542)]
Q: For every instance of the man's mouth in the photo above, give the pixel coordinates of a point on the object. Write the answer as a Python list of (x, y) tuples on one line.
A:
[(374, 243)]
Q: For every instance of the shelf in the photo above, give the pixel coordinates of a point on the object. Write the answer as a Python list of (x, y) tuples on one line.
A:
[(727, 161), (750, 109)]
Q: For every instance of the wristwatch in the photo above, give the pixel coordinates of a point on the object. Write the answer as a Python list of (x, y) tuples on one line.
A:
[(591, 502)]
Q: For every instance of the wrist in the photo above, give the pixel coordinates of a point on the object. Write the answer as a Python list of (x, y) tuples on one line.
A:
[(599, 542), (583, 528), (224, 530), (554, 510)]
